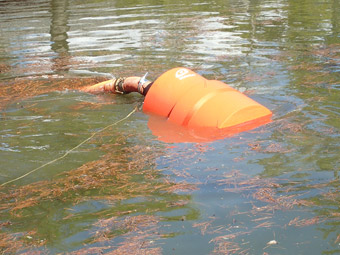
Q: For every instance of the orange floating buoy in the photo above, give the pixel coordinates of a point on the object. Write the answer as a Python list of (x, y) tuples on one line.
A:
[(188, 99)]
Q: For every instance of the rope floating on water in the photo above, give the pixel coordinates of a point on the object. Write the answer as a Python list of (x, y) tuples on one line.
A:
[(69, 151)]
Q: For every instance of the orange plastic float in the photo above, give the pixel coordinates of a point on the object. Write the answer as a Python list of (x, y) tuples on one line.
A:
[(188, 99)]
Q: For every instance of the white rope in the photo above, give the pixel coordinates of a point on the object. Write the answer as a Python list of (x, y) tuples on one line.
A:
[(69, 151)]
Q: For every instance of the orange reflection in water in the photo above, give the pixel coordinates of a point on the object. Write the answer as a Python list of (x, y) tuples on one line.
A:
[(169, 132)]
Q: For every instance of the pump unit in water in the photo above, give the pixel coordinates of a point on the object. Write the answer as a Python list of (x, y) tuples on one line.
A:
[(188, 99)]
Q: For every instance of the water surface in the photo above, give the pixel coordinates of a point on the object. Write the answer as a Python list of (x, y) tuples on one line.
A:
[(271, 190)]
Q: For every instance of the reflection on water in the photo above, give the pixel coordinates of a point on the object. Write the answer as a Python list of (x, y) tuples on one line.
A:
[(271, 190), (168, 132), (59, 29), (59, 26)]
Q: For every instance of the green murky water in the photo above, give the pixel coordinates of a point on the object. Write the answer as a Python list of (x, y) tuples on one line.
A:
[(272, 190)]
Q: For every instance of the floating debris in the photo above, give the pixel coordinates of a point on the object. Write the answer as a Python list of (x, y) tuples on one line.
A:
[(272, 242)]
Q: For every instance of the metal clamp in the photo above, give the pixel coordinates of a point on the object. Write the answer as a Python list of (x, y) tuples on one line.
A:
[(118, 86), (141, 82)]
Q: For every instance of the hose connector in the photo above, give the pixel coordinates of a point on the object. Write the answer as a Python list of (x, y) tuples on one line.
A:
[(141, 82)]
